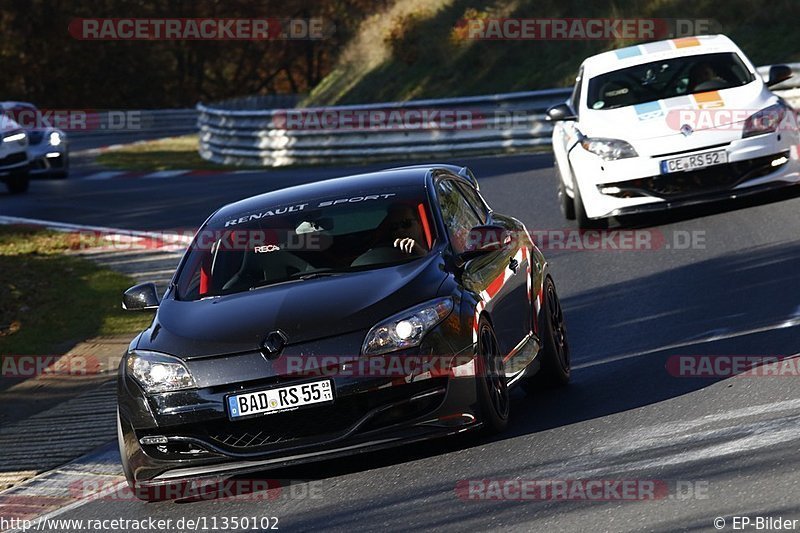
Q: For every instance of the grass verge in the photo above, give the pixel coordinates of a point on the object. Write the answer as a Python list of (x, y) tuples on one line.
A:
[(50, 300), (172, 153)]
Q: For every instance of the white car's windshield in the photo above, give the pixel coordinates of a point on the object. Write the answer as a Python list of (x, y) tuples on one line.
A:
[(666, 79)]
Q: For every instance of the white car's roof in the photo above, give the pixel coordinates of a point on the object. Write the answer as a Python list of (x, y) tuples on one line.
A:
[(15, 105), (655, 51)]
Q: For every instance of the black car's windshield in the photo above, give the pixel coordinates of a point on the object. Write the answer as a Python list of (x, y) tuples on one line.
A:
[(307, 239), (666, 79)]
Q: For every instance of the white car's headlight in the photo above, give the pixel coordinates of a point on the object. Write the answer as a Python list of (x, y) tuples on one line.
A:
[(20, 137), (609, 149), (55, 138), (158, 372), (406, 329), (765, 121)]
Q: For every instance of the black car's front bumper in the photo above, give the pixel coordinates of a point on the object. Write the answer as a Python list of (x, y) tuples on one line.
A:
[(369, 413)]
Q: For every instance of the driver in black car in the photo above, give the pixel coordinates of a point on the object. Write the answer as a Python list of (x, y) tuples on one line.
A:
[(402, 229)]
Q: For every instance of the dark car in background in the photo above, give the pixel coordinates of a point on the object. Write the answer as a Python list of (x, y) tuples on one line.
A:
[(336, 317)]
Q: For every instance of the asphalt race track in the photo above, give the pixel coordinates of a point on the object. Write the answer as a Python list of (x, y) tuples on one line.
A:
[(721, 447)]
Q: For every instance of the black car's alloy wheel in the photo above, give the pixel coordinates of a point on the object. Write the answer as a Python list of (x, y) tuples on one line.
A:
[(555, 353), (492, 383)]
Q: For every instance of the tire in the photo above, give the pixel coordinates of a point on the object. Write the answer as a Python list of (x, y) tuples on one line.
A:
[(584, 222), (566, 203), (493, 398), (555, 355), (63, 174), (18, 184)]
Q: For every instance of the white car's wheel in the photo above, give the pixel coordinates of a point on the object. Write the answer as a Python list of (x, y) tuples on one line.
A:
[(564, 201), (584, 222), (18, 183)]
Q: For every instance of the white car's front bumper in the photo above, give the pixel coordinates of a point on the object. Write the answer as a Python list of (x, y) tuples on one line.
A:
[(13, 159), (754, 164), (47, 159)]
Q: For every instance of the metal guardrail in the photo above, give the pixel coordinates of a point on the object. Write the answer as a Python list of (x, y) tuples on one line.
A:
[(499, 123), (136, 122)]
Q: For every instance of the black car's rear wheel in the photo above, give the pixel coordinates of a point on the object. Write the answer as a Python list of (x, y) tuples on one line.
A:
[(491, 381), (555, 353)]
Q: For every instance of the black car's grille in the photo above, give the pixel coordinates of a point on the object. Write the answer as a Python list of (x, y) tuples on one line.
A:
[(13, 159), (708, 180), (321, 423), (284, 427)]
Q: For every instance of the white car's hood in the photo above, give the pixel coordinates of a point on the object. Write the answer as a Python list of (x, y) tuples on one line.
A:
[(7, 124), (715, 110)]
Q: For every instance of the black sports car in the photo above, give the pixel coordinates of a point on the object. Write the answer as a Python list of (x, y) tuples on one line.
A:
[(332, 318)]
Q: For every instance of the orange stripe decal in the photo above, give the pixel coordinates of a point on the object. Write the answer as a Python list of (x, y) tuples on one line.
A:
[(686, 42), (425, 226)]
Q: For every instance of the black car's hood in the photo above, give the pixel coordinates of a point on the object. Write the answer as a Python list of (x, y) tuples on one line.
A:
[(304, 310)]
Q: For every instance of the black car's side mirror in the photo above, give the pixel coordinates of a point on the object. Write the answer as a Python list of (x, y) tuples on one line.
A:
[(560, 112), (485, 239), (779, 73), (141, 297)]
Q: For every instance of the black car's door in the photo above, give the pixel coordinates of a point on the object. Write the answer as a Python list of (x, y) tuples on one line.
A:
[(499, 279)]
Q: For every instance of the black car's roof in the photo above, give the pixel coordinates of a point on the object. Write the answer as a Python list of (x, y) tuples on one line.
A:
[(409, 176)]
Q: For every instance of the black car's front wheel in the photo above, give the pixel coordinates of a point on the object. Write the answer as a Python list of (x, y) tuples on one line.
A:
[(555, 354), (491, 380)]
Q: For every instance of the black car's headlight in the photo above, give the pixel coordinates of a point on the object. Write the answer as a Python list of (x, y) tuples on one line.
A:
[(609, 149), (406, 329), (158, 372), (54, 138), (765, 121)]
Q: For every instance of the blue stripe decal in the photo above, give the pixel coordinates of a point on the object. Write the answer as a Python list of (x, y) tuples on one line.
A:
[(648, 110), (631, 51)]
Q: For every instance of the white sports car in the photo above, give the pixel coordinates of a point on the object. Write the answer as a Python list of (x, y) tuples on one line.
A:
[(670, 123), (48, 149), (14, 162)]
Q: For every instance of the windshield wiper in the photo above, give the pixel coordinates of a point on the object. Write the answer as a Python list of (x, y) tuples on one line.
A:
[(297, 276), (321, 273)]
